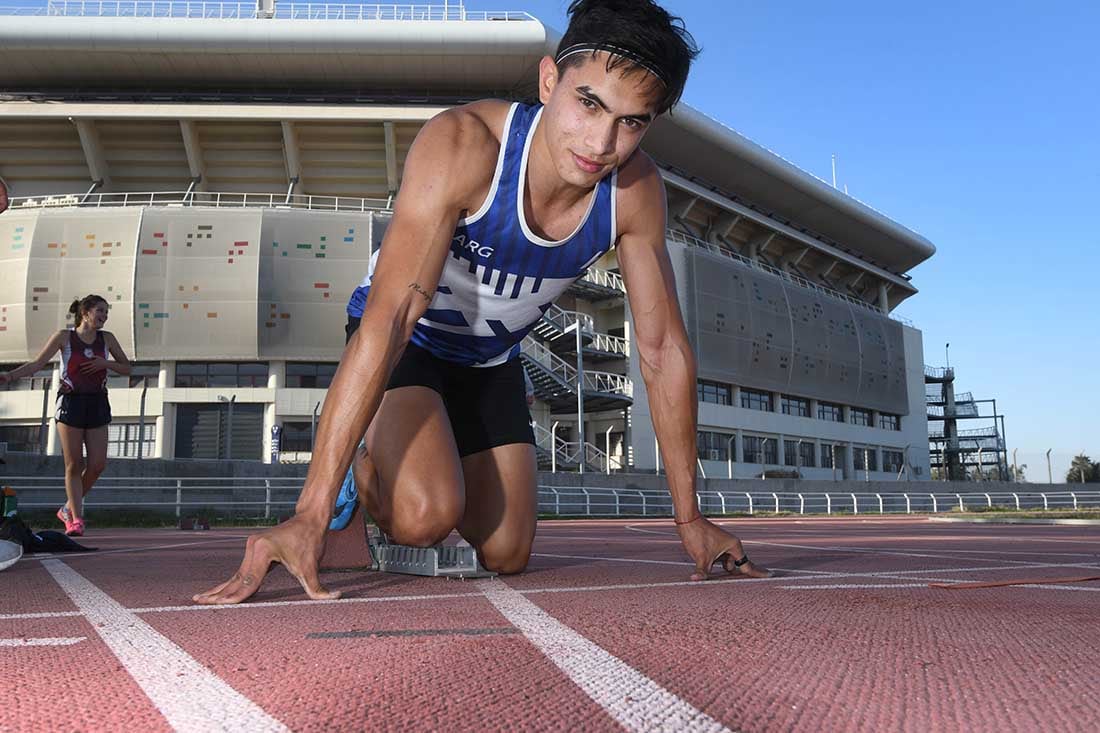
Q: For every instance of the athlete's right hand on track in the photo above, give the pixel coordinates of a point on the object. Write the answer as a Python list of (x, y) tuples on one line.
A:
[(296, 543)]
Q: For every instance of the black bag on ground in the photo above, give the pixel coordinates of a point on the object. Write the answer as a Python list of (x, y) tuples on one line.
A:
[(13, 529)]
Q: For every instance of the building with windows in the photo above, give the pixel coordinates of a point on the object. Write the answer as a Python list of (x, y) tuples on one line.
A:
[(225, 187)]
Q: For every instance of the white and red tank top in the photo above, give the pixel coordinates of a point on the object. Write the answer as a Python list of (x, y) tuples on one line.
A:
[(74, 354)]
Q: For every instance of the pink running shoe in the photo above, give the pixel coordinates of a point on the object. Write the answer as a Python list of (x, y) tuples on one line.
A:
[(66, 517), (76, 529)]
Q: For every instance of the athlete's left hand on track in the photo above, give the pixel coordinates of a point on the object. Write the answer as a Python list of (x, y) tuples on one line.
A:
[(98, 364), (295, 543), (707, 543)]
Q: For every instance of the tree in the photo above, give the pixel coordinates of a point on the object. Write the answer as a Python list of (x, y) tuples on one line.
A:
[(1018, 473), (1083, 470)]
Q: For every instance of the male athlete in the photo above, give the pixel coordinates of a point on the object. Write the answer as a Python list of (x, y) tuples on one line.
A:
[(501, 207)]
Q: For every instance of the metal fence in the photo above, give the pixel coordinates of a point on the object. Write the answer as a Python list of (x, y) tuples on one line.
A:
[(271, 497)]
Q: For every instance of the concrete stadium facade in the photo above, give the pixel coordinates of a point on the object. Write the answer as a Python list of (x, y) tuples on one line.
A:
[(227, 219)]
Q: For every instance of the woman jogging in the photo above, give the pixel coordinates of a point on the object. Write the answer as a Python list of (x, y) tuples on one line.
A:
[(83, 411)]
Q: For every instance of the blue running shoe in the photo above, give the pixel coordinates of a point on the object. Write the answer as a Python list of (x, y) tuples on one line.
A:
[(345, 503)]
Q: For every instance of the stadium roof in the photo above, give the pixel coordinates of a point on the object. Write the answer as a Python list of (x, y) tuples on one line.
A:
[(401, 51)]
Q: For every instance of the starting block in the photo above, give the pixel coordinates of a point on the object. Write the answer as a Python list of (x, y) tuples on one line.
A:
[(446, 561), (194, 523), (362, 546)]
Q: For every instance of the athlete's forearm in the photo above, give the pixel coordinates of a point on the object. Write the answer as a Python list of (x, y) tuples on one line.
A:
[(120, 367), (669, 374), (350, 405)]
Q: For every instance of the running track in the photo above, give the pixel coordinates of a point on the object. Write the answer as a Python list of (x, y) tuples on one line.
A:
[(601, 633)]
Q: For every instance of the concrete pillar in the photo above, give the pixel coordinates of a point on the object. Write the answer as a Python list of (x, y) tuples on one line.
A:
[(883, 298), (813, 409), (817, 453), (276, 379), (849, 460), (781, 453), (739, 447), (165, 446), (877, 451), (737, 399), (777, 402)]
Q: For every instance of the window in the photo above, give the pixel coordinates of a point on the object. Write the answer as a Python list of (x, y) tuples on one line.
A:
[(22, 438), (221, 374), (860, 454), (753, 400), (203, 431), (790, 453), (760, 450), (860, 417), (139, 372), (795, 406), (715, 392), (713, 446), (40, 380), (892, 461), (827, 455), (829, 411), (808, 454), (122, 439), (889, 422), (311, 375), (296, 437)]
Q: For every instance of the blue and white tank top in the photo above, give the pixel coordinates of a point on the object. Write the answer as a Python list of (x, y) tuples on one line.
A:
[(500, 277)]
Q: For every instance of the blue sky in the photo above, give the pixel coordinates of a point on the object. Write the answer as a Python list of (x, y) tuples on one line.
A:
[(975, 124)]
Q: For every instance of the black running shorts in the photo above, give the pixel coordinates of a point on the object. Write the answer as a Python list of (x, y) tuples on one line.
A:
[(487, 406), (83, 410)]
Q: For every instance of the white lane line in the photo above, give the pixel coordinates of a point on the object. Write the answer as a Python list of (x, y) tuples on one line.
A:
[(632, 699), (101, 553), (189, 695), (39, 614), (852, 586), (43, 642)]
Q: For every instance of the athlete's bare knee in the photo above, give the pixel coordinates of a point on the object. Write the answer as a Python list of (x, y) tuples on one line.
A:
[(425, 522), (95, 467), (506, 562)]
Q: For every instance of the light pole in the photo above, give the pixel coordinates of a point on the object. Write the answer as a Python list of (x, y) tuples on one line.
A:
[(798, 458), (580, 390), (607, 447), (764, 458), (1015, 471), (947, 354), (554, 446), (1050, 476), (729, 455)]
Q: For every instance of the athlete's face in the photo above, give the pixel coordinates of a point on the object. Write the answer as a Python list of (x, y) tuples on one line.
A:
[(96, 317), (594, 119)]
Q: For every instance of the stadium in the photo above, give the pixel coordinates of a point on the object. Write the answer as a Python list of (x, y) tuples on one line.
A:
[(222, 173)]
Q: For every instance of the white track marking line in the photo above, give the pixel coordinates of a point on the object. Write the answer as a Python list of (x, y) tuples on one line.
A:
[(40, 614), (186, 693), (635, 701), (128, 550), (63, 641)]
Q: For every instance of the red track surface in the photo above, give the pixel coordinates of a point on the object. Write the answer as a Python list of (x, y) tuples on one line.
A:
[(848, 637)]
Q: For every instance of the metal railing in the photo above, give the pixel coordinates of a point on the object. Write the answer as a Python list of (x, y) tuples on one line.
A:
[(605, 279), (206, 198), (594, 381), (611, 344), (682, 238), (563, 319), (237, 11), (271, 497), (615, 502), (938, 372), (986, 432)]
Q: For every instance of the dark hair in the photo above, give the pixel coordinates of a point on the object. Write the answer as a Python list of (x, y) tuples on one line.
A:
[(80, 306), (652, 40)]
